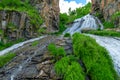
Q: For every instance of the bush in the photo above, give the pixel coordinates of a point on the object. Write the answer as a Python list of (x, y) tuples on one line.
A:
[(22, 6), (57, 52), (67, 35), (108, 25), (105, 33), (69, 69), (74, 72), (94, 57), (6, 58)]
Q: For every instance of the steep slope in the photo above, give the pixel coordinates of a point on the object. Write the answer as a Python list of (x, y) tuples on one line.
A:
[(25, 18)]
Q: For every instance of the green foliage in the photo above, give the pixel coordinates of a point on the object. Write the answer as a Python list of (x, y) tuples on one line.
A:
[(94, 57), (6, 58), (41, 30), (79, 12), (63, 21), (67, 35), (105, 33), (108, 25), (13, 5), (83, 10), (35, 43), (69, 69), (74, 72), (57, 52), (1, 32), (61, 66), (11, 26), (116, 15)]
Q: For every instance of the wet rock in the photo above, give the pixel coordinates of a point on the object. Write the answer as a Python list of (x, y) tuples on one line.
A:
[(42, 74)]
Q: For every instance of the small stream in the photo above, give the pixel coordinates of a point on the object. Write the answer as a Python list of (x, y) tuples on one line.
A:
[(113, 47), (16, 46), (90, 22)]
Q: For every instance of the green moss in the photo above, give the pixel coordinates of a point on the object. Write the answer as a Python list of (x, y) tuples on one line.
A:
[(67, 35), (74, 72), (105, 33), (57, 52), (19, 6), (4, 59), (108, 25), (116, 15), (35, 43), (69, 69), (94, 57), (1, 32)]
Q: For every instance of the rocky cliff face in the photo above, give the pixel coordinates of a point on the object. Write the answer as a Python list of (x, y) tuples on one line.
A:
[(107, 8), (15, 24), (49, 10)]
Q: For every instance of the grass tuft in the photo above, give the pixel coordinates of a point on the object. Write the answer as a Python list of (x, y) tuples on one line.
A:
[(6, 58), (105, 33), (94, 57), (57, 52)]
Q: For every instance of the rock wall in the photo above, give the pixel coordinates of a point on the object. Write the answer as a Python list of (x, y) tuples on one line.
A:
[(49, 10), (15, 24), (107, 8)]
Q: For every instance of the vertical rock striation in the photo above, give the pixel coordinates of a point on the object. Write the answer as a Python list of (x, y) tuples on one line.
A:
[(15, 24), (107, 8), (49, 10)]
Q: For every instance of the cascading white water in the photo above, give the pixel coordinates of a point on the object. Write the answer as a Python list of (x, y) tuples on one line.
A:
[(88, 22), (18, 45), (113, 47)]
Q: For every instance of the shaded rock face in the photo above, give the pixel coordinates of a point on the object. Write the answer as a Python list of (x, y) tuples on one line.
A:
[(107, 8), (49, 10), (19, 22), (15, 25)]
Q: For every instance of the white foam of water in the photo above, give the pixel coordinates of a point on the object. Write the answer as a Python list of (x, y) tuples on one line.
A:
[(18, 45), (113, 47), (88, 22)]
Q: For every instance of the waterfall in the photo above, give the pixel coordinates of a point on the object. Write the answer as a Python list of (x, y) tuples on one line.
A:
[(88, 22), (112, 45)]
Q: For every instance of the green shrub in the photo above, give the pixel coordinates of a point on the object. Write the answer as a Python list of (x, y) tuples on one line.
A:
[(6, 58), (108, 25), (94, 57), (57, 52), (105, 33), (69, 69), (74, 72), (22, 6), (67, 35), (62, 65)]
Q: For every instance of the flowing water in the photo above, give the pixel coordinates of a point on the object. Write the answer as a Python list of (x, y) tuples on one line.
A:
[(16, 46), (113, 47), (88, 22)]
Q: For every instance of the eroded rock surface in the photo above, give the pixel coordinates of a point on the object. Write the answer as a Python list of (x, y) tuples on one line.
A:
[(35, 62), (107, 8), (15, 24)]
